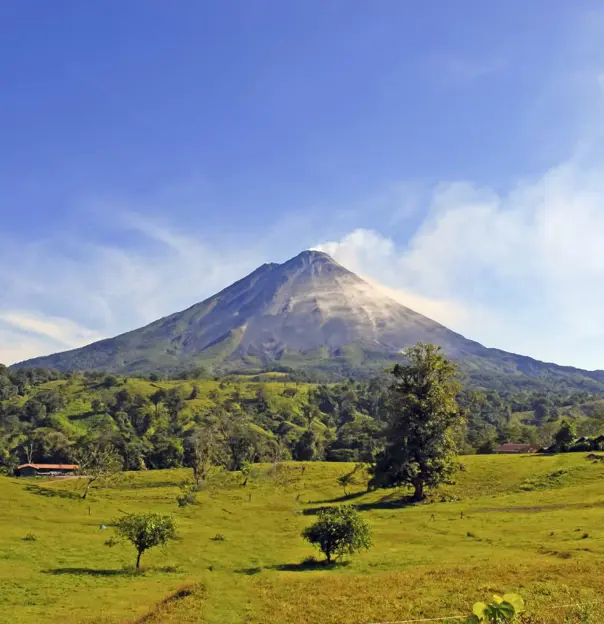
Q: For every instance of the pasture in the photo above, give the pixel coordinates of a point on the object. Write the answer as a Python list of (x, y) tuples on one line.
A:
[(527, 524)]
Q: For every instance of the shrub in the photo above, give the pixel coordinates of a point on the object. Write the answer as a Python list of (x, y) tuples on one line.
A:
[(338, 531), (30, 537), (188, 495)]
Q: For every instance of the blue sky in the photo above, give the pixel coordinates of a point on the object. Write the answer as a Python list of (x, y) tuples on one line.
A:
[(153, 152)]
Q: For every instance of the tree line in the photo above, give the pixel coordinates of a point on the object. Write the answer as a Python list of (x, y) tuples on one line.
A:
[(245, 421)]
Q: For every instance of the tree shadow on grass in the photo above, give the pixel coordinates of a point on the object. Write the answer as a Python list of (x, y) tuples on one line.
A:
[(388, 502), (90, 572), (53, 492), (308, 565), (113, 572), (340, 499)]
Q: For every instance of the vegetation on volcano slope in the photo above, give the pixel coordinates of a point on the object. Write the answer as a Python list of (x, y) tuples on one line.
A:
[(240, 556)]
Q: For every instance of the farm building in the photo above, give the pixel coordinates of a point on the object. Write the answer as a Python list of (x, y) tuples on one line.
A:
[(516, 448), (50, 470)]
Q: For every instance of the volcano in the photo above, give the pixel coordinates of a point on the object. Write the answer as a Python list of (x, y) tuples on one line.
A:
[(308, 313)]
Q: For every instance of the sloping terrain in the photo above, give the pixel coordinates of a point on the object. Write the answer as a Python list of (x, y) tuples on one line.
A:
[(307, 313)]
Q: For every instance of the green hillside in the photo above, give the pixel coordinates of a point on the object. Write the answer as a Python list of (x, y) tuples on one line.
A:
[(523, 523), (47, 417)]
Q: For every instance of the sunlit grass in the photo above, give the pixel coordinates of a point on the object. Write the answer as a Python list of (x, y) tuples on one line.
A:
[(428, 560)]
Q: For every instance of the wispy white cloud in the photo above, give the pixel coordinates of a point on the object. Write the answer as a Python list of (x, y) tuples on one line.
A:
[(66, 292), (60, 330)]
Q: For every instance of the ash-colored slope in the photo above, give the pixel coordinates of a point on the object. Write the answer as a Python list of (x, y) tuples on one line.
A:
[(319, 303)]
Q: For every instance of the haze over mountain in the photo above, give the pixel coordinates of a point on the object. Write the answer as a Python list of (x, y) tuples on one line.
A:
[(311, 313)]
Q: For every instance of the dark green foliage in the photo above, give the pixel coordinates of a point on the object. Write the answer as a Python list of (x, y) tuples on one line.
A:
[(306, 447), (338, 531), (564, 437), (97, 405), (174, 402), (110, 381), (144, 531), (420, 446), (242, 444)]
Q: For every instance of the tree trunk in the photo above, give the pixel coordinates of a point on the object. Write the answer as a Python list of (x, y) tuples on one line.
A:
[(85, 494), (138, 560), (418, 495)]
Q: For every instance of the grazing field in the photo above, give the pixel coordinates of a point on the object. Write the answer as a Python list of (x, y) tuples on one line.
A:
[(528, 524)]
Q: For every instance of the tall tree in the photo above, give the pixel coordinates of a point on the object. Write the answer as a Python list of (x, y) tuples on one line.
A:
[(420, 445), (97, 462), (565, 436), (202, 452)]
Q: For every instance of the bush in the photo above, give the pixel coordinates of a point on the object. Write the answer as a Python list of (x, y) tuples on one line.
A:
[(30, 537), (188, 496), (338, 531)]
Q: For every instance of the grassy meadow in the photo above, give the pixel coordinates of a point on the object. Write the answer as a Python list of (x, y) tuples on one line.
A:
[(529, 524)]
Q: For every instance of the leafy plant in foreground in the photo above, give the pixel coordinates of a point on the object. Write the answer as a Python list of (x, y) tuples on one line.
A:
[(503, 610), (338, 531), (145, 531)]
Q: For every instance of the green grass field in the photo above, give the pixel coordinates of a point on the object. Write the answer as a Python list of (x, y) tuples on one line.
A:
[(533, 525)]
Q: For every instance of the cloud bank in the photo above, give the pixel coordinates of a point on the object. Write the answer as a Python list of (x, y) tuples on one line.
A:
[(521, 271)]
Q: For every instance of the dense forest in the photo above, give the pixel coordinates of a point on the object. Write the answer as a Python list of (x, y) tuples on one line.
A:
[(149, 422)]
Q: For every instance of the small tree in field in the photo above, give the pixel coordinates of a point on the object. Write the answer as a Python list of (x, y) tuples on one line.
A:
[(349, 478), (144, 531), (338, 531), (346, 480)]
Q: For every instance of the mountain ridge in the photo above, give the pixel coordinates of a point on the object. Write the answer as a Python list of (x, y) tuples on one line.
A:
[(307, 313)]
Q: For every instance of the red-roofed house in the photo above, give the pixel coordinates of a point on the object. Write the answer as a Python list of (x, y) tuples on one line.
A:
[(35, 470)]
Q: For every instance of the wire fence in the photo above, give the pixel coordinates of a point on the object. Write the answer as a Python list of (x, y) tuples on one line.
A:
[(448, 618)]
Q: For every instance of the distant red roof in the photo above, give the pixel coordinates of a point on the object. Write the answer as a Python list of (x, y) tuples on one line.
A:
[(49, 466), (516, 448)]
